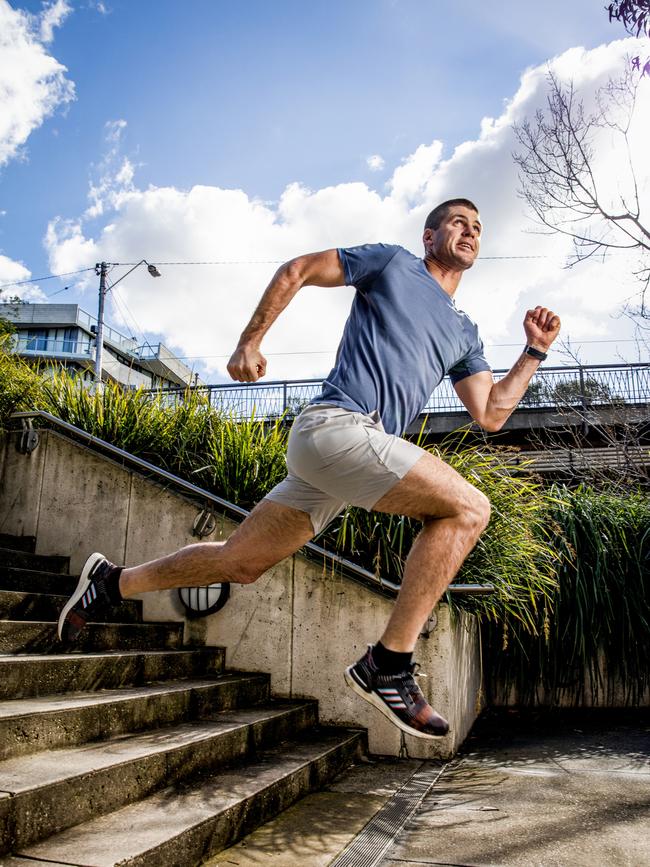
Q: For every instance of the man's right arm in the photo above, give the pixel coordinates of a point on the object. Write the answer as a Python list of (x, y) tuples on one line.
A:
[(247, 363)]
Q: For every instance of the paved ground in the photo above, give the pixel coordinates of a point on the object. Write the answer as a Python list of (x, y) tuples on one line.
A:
[(569, 791), (533, 791)]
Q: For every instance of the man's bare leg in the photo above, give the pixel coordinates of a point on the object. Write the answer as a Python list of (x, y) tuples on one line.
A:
[(269, 534), (455, 514)]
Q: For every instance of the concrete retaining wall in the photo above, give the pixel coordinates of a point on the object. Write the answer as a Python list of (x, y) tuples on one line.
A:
[(299, 622)]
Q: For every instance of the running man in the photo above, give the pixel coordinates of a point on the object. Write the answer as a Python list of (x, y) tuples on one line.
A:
[(403, 335)]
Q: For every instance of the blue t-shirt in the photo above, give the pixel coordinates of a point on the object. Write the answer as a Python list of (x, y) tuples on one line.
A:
[(403, 335)]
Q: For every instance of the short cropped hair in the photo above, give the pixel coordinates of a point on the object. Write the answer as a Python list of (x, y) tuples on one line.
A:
[(440, 211)]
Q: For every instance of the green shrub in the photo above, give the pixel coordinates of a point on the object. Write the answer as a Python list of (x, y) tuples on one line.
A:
[(20, 384), (242, 460), (571, 568), (515, 553), (597, 638), (239, 461)]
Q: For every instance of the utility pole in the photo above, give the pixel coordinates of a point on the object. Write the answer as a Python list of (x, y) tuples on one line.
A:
[(101, 269)]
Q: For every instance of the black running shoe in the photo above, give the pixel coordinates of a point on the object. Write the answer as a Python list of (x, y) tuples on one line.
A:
[(397, 696), (92, 596)]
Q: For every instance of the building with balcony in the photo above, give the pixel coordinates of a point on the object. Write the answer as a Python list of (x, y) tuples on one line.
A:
[(64, 334)]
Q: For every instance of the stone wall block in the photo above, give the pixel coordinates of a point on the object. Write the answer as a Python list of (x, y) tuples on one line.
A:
[(84, 504), (20, 486)]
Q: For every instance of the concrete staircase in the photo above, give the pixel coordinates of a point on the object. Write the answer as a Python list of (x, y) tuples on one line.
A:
[(134, 749)]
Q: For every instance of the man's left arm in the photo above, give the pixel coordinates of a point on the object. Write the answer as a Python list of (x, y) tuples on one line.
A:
[(491, 403)]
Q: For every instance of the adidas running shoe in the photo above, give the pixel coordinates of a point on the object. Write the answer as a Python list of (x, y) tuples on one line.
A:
[(397, 696), (94, 593)]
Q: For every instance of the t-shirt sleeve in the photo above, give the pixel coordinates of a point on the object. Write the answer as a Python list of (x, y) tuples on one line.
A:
[(474, 362), (361, 264)]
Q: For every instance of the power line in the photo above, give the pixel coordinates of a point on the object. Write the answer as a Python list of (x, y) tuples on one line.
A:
[(230, 262), (332, 351), (49, 277), (282, 261)]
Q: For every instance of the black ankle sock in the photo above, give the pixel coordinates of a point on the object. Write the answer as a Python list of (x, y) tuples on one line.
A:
[(390, 661), (112, 585)]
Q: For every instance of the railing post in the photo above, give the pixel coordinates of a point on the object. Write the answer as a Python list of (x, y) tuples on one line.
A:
[(583, 401), (284, 397)]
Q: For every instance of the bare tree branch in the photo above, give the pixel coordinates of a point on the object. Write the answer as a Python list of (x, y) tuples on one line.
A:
[(564, 184)]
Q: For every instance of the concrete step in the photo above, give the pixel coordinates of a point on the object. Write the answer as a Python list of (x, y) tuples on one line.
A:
[(182, 827), (53, 790), (27, 560), (28, 636), (47, 674), (46, 607), (35, 581), (18, 543), (30, 725)]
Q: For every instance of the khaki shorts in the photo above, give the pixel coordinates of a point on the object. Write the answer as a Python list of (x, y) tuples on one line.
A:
[(338, 458)]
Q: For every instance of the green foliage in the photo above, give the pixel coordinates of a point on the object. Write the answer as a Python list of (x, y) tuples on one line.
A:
[(572, 391), (571, 568), (597, 638), (20, 384), (245, 459), (515, 553), (240, 461)]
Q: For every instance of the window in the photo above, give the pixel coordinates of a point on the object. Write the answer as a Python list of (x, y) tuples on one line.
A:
[(70, 340), (37, 339)]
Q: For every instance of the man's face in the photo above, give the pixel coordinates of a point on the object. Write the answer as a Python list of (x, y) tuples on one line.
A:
[(457, 239)]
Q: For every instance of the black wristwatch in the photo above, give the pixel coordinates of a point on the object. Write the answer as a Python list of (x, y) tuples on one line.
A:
[(535, 353)]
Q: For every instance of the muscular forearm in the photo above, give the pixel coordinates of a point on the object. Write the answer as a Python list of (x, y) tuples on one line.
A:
[(247, 364), (506, 394), (282, 288)]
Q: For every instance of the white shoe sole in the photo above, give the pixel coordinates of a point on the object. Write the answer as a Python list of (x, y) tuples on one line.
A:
[(80, 589), (374, 700)]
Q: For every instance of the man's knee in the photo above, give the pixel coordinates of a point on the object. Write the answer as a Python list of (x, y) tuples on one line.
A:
[(246, 575), (227, 564), (239, 571), (471, 512), (481, 511)]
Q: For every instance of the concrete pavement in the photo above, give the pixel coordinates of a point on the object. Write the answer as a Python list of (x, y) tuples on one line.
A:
[(533, 790)]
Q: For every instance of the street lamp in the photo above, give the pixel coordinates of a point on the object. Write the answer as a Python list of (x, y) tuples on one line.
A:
[(101, 269)]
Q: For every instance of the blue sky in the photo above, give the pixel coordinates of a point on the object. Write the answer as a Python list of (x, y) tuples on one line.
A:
[(258, 96)]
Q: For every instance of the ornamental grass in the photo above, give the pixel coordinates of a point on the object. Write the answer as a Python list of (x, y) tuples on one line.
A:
[(569, 617), (595, 647)]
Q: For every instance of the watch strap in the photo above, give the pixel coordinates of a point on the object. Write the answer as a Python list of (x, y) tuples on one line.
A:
[(535, 353)]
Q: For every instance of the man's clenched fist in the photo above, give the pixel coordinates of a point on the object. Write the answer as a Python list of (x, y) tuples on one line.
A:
[(542, 326), (247, 364)]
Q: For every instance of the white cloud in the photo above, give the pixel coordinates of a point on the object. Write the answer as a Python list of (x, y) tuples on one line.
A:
[(201, 310), (32, 82), (375, 163), (115, 173), (12, 272), (53, 15)]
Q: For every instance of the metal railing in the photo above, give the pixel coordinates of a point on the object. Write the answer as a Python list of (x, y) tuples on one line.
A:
[(45, 345), (550, 387), (329, 558)]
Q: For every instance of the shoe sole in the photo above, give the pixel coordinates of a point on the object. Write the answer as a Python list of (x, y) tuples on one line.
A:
[(80, 589), (374, 700)]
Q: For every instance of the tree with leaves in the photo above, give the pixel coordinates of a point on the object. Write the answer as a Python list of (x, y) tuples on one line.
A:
[(634, 15)]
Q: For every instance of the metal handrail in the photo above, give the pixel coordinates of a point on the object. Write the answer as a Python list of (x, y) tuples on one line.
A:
[(585, 386), (351, 569)]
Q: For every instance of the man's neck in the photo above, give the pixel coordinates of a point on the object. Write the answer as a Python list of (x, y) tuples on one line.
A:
[(447, 277)]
